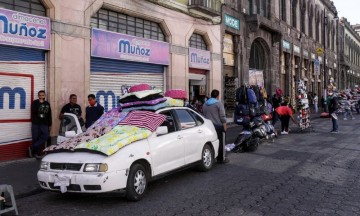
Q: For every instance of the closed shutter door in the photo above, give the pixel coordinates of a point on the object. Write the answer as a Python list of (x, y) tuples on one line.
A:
[(22, 75), (110, 79)]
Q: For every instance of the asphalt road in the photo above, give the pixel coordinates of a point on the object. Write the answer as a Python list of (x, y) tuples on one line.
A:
[(303, 173)]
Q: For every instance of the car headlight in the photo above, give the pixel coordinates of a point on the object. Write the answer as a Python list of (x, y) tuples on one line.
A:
[(95, 167), (44, 165)]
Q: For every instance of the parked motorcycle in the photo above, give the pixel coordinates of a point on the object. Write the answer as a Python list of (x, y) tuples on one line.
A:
[(253, 133)]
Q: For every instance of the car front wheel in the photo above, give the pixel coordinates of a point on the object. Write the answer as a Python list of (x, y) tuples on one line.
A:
[(136, 183), (207, 158)]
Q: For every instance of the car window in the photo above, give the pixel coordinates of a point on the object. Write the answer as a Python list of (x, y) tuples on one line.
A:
[(169, 121), (67, 124), (185, 119), (197, 117)]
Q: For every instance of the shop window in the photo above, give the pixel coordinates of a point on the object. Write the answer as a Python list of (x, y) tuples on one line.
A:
[(197, 41), (125, 24), (26, 6)]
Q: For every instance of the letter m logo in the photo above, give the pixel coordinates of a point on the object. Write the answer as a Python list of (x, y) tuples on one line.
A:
[(12, 92)]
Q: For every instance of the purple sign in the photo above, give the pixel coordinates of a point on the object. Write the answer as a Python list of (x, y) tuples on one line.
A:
[(24, 30), (199, 59), (113, 45)]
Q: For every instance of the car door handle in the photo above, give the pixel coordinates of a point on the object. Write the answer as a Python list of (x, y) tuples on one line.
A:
[(179, 137), (200, 131)]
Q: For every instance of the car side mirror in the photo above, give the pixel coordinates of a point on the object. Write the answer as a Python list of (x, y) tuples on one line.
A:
[(162, 130), (70, 134)]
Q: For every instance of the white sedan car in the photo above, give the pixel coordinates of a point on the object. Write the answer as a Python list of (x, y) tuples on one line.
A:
[(184, 139)]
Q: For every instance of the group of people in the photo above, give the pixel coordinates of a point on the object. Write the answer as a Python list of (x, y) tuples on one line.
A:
[(41, 118)]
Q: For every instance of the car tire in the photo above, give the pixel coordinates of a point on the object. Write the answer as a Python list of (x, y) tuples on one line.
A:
[(137, 183), (207, 159)]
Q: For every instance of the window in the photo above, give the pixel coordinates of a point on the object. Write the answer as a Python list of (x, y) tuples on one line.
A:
[(197, 117), (282, 10), (185, 119), (27, 6), (169, 121), (122, 23), (294, 14), (311, 20), (197, 41)]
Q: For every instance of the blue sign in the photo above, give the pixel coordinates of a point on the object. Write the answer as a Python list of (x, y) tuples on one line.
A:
[(316, 67)]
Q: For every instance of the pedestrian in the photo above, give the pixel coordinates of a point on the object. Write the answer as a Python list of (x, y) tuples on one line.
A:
[(72, 107), (333, 107), (347, 109), (276, 101), (93, 111), (214, 110), (41, 121), (285, 114), (316, 100)]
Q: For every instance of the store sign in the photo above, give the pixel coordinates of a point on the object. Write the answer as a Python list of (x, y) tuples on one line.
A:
[(24, 30), (316, 67), (113, 45), (305, 53), (232, 22), (199, 59), (286, 45), (296, 49)]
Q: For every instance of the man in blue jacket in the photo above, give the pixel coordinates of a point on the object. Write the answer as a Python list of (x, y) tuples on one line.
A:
[(214, 110), (93, 111)]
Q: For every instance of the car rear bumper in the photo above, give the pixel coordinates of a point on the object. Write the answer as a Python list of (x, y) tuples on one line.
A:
[(84, 182)]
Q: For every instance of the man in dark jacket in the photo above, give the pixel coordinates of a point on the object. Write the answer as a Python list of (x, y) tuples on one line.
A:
[(214, 110), (93, 112), (41, 122), (333, 106), (72, 107)]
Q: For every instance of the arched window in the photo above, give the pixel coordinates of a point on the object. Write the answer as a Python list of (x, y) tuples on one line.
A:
[(317, 26), (257, 58), (122, 23), (197, 41), (26, 6), (311, 20), (302, 18)]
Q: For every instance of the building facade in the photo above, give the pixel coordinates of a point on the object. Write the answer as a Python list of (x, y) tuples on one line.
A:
[(101, 47)]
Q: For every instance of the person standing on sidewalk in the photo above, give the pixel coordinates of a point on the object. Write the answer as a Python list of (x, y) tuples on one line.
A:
[(72, 107), (214, 110), (41, 122), (333, 107), (316, 101), (93, 112)]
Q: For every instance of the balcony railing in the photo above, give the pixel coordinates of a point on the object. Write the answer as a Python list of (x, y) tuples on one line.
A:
[(209, 7)]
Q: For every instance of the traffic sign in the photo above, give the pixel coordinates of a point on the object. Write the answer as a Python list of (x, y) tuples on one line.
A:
[(319, 51), (316, 67)]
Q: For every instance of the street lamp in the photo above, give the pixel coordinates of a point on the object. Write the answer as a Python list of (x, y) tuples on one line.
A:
[(326, 73)]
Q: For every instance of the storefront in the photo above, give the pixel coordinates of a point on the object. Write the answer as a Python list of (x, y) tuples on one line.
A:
[(286, 67), (199, 64), (24, 39), (119, 61)]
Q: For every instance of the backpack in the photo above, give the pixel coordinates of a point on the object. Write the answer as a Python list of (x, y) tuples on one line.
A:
[(241, 94), (251, 96)]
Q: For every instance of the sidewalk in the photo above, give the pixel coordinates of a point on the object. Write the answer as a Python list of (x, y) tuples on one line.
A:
[(21, 174)]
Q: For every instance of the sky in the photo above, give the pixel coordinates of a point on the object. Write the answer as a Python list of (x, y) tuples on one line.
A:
[(349, 9)]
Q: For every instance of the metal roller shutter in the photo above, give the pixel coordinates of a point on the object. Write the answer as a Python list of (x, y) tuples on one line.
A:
[(109, 79), (22, 75)]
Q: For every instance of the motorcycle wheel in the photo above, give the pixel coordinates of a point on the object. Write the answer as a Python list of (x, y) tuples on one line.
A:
[(253, 144)]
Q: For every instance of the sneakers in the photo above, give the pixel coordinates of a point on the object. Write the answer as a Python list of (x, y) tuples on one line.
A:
[(224, 161), (284, 132), (38, 157), (345, 119), (30, 152), (352, 118), (334, 131)]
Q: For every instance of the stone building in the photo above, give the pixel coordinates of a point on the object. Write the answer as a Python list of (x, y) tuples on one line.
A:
[(349, 55)]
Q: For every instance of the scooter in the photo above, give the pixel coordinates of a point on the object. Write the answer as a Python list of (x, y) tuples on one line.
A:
[(252, 134)]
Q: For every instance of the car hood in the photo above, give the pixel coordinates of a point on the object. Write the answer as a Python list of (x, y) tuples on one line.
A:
[(74, 157)]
